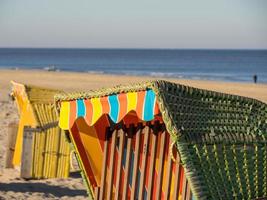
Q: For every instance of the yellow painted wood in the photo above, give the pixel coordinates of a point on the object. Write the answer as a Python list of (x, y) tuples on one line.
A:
[(64, 115), (36, 109)]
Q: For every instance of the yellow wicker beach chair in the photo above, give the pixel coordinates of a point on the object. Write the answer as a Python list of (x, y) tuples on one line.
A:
[(160, 140), (41, 147)]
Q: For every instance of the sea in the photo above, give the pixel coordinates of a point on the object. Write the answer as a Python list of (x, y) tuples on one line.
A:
[(199, 64)]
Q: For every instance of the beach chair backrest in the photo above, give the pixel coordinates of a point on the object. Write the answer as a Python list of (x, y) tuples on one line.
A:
[(138, 164)]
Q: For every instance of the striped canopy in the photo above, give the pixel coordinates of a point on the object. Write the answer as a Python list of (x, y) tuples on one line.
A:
[(143, 103)]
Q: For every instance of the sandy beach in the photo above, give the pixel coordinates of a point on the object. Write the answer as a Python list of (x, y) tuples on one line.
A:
[(12, 187)]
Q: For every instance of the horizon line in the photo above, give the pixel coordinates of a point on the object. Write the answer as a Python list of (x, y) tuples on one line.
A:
[(132, 48)]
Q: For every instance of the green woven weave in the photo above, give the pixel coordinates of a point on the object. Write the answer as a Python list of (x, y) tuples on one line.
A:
[(221, 138)]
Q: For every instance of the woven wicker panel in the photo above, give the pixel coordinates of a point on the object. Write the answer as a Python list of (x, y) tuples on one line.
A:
[(222, 141)]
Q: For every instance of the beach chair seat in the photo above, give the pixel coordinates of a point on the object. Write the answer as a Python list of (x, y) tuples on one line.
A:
[(41, 149)]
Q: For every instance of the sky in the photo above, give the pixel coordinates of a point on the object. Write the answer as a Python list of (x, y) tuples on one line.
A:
[(212, 24)]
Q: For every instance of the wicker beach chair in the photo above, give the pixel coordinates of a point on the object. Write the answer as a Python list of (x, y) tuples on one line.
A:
[(41, 148), (160, 140)]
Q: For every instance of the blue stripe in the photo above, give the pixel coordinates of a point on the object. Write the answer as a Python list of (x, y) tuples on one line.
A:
[(80, 108), (114, 107), (149, 105), (145, 194), (138, 182), (131, 168)]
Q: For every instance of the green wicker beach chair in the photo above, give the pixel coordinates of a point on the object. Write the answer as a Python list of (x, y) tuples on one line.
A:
[(221, 139)]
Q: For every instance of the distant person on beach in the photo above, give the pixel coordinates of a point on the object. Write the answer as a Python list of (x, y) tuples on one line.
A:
[(255, 77)]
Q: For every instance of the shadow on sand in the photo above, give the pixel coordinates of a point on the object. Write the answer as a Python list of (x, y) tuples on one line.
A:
[(57, 191)]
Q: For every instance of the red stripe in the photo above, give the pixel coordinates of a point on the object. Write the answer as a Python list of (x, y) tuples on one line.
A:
[(100, 127), (128, 192), (154, 185), (156, 108), (181, 180), (130, 118)]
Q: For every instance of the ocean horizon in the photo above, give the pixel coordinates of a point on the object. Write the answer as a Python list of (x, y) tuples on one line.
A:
[(231, 65)]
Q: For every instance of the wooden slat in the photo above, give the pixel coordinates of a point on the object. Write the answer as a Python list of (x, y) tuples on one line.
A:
[(46, 143), (136, 160), (127, 166), (168, 177), (144, 162), (96, 193), (177, 178), (152, 164), (41, 149), (58, 151), (26, 161), (43, 142), (119, 165), (60, 154), (188, 192), (104, 169), (184, 188), (161, 163), (111, 164), (11, 142)]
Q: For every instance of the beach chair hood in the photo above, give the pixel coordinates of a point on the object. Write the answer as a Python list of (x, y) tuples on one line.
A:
[(221, 138)]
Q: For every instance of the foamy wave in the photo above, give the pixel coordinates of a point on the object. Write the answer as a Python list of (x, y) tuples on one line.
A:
[(95, 72)]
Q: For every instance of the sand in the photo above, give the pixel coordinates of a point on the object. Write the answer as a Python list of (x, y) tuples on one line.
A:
[(13, 187)]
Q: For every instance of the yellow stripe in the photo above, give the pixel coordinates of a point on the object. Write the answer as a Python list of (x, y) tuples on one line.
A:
[(97, 109), (131, 101), (64, 115)]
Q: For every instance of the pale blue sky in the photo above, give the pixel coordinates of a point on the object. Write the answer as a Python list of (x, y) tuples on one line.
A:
[(134, 24)]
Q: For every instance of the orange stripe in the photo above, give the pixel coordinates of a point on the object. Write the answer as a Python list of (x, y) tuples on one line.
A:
[(105, 105), (123, 105), (72, 115), (89, 111), (140, 103)]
